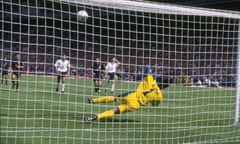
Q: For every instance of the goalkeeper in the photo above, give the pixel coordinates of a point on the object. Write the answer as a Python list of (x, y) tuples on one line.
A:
[(148, 91)]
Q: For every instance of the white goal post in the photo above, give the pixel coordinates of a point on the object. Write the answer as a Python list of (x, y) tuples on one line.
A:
[(237, 104), (197, 49)]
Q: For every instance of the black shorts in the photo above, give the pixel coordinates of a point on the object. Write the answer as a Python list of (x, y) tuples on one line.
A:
[(111, 76), (97, 77), (62, 74), (4, 72), (17, 74)]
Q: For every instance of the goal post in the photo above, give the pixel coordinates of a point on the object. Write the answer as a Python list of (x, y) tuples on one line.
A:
[(237, 104), (197, 49)]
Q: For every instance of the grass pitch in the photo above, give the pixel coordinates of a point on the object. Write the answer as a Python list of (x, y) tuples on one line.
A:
[(39, 115)]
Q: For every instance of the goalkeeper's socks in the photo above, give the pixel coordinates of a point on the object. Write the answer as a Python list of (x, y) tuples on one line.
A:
[(104, 99), (6, 82), (105, 114)]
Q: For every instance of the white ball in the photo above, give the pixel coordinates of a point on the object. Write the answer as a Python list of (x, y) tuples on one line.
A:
[(82, 16)]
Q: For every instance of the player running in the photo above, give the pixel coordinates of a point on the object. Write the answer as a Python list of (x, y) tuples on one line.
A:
[(148, 91), (5, 67), (17, 66), (111, 70), (98, 69), (62, 67)]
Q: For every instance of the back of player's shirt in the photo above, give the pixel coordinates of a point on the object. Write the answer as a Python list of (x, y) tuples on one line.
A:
[(62, 66), (98, 68), (112, 67), (4, 65), (16, 64)]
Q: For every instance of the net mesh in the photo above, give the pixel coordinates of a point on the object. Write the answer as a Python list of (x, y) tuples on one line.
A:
[(196, 48)]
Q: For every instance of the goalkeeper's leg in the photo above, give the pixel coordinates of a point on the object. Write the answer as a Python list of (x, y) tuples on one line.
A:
[(106, 114), (103, 99), (118, 110)]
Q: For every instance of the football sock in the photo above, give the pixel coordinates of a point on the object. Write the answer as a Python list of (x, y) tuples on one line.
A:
[(57, 88), (107, 83), (113, 85), (63, 86), (103, 99), (105, 114), (96, 89), (58, 85), (58, 79), (17, 85), (99, 89), (13, 83)]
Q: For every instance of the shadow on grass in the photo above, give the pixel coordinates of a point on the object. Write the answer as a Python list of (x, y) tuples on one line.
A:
[(119, 120), (116, 120)]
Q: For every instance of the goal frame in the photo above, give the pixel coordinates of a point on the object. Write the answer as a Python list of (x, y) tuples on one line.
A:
[(183, 43), (237, 103)]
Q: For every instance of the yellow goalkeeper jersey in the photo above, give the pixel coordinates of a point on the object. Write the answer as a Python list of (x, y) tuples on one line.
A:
[(148, 91)]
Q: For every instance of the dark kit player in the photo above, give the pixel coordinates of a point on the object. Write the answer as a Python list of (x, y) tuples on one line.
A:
[(17, 66), (98, 69), (5, 67)]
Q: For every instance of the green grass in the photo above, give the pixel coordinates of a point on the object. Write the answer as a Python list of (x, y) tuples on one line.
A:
[(37, 114)]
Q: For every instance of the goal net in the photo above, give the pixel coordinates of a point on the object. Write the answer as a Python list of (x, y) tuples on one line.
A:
[(196, 49)]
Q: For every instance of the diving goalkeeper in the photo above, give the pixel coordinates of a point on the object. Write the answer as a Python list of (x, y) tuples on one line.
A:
[(148, 91)]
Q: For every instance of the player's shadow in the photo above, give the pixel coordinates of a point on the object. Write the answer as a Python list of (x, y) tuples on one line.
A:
[(116, 120), (83, 116), (119, 120)]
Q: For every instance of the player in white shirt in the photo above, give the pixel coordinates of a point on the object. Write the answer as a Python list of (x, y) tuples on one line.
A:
[(111, 70), (62, 67)]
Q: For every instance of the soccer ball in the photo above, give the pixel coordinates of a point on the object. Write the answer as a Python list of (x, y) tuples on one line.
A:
[(82, 16)]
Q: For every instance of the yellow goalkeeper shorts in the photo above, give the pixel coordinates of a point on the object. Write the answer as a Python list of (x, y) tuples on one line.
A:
[(128, 102)]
